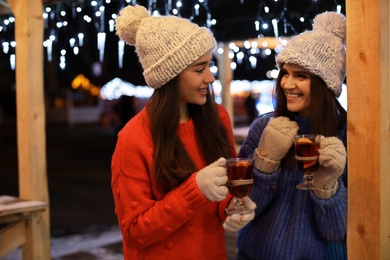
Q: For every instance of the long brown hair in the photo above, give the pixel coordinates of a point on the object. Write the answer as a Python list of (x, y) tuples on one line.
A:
[(172, 163), (327, 115)]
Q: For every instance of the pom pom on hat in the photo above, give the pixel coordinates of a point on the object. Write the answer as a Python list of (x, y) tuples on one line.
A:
[(320, 51), (165, 45), (128, 22), (332, 23)]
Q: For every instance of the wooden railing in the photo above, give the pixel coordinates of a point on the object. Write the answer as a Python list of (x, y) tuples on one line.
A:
[(16, 217)]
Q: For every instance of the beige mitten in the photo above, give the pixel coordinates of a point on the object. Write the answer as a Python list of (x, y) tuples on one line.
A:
[(211, 180), (332, 159), (274, 143)]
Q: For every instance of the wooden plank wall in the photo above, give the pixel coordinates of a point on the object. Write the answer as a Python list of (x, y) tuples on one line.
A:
[(368, 129)]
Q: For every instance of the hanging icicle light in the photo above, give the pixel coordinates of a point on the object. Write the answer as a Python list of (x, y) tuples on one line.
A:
[(196, 8), (48, 44), (81, 39), (276, 31), (5, 47), (231, 54), (233, 66), (101, 38), (72, 42), (111, 25), (87, 18), (12, 61), (45, 17), (168, 7), (76, 50), (121, 50), (63, 59), (254, 51), (239, 56), (179, 5), (220, 50), (152, 5), (101, 10), (253, 61), (247, 45), (257, 25)]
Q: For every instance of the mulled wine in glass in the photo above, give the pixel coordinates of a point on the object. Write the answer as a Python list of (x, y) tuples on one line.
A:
[(240, 180), (306, 154)]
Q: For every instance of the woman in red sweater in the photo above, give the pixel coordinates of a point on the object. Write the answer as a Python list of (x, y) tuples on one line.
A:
[(168, 168)]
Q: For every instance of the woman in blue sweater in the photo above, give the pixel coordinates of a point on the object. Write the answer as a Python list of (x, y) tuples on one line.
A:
[(290, 223)]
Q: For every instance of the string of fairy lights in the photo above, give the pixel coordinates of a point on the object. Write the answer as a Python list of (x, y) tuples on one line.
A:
[(68, 25)]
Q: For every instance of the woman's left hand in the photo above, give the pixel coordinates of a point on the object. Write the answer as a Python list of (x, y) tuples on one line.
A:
[(332, 159), (236, 221)]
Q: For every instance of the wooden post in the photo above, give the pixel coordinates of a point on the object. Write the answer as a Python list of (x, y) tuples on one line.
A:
[(31, 132), (368, 80), (226, 77)]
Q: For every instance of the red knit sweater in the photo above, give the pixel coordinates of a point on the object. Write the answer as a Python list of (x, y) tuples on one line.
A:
[(181, 224)]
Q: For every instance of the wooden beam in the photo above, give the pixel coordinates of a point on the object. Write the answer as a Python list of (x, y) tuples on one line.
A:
[(10, 205), (384, 95), (226, 77), (12, 237), (31, 134), (368, 129)]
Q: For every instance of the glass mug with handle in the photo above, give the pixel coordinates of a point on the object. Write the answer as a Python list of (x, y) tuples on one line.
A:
[(240, 181)]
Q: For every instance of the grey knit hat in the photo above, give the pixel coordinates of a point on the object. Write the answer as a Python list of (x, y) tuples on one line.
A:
[(321, 51), (165, 45)]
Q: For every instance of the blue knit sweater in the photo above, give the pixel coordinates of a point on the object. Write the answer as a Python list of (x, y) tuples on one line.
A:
[(291, 224)]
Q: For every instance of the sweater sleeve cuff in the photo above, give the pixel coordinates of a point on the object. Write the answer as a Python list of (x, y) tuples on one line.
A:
[(191, 193), (264, 164), (326, 194)]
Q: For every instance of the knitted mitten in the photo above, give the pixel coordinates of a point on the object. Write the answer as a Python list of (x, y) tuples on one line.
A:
[(332, 159), (211, 180), (274, 143)]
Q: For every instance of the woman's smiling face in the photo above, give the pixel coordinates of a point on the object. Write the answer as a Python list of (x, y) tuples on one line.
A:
[(296, 82), (194, 81)]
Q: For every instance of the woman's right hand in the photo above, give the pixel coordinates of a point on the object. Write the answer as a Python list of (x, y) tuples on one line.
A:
[(274, 143), (212, 180)]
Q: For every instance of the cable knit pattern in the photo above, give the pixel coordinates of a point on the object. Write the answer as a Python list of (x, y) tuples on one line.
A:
[(165, 45), (321, 51), (155, 225), (291, 223)]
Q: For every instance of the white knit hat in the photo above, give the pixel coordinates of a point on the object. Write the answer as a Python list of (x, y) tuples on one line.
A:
[(321, 51), (165, 45)]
